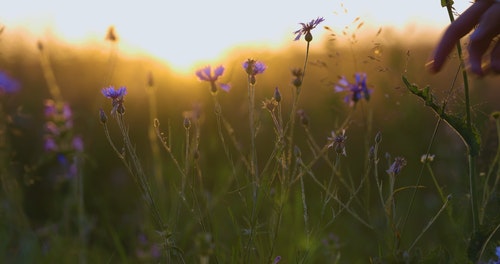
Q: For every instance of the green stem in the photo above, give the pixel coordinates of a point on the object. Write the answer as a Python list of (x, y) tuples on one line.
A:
[(471, 158)]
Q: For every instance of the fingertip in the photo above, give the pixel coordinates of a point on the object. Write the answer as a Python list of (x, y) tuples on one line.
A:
[(432, 67)]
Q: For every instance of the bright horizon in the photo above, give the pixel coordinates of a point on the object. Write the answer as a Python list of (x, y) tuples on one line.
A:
[(192, 33)]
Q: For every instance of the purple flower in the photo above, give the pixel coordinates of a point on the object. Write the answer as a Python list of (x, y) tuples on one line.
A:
[(205, 74), (50, 108), (337, 141), (306, 29), (357, 90), (78, 143), (397, 165), (117, 97), (8, 84), (111, 93), (50, 144), (277, 259), (253, 67)]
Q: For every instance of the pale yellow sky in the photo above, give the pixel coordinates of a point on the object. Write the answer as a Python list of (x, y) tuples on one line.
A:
[(185, 33)]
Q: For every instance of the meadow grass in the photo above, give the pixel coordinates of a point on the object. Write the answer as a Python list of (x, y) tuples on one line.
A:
[(306, 158)]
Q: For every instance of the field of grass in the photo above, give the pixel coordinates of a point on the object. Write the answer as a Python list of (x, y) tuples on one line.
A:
[(282, 168)]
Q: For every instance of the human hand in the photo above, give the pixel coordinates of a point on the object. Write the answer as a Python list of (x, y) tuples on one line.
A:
[(485, 14)]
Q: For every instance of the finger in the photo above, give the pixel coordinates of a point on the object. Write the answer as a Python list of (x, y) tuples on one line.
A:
[(455, 31), (481, 38), (495, 58)]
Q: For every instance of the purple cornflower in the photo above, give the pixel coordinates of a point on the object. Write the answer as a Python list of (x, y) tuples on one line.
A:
[(306, 29), (337, 141), (7, 84), (397, 165), (357, 90), (252, 68), (205, 74), (50, 144), (117, 97), (113, 94)]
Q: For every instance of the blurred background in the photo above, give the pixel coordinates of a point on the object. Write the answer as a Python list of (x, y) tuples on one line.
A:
[(169, 42)]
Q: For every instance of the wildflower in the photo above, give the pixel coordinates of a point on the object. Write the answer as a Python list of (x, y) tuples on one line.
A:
[(277, 94), (378, 137), (187, 123), (397, 165), (77, 143), (277, 260), (306, 29), (338, 142), (102, 117), (252, 68), (427, 158), (113, 94), (50, 144), (117, 97), (357, 90), (269, 104), (111, 34), (304, 119), (205, 74), (297, 73), (7, 84)]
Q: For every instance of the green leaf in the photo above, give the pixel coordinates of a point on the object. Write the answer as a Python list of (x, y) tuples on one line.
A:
[(470, 135)]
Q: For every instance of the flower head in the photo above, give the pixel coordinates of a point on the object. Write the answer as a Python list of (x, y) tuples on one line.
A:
[(205, 74), (397, 165), (117, 96), (356, 90), (427, 158), (253, 67), (111, 93), (298, 75), (337, 141), (7, 84), (306, 29)]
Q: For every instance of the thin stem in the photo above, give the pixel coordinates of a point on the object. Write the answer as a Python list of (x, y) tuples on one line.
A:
[(48, 73), (139, 172), (471, 159), (253, 148), (430, 223), (155, 149), (293, 112)]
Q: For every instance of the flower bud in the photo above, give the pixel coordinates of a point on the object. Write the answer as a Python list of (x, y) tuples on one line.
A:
[(378, 137), (277, 95), (102, 116)]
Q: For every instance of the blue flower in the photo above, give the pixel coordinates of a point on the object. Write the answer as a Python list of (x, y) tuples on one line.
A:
[(117, 96), (397, 165), (253, 67), (357, 90), (111, 93), (306, 29), (8, 84), (205, 74)]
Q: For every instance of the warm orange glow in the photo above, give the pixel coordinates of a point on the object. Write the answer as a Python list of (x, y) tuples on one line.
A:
[(188, 34)]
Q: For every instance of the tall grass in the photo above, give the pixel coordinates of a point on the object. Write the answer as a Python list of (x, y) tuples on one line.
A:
[(259, 174)]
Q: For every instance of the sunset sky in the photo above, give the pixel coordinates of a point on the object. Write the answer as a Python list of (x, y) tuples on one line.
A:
[(188, 33)]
